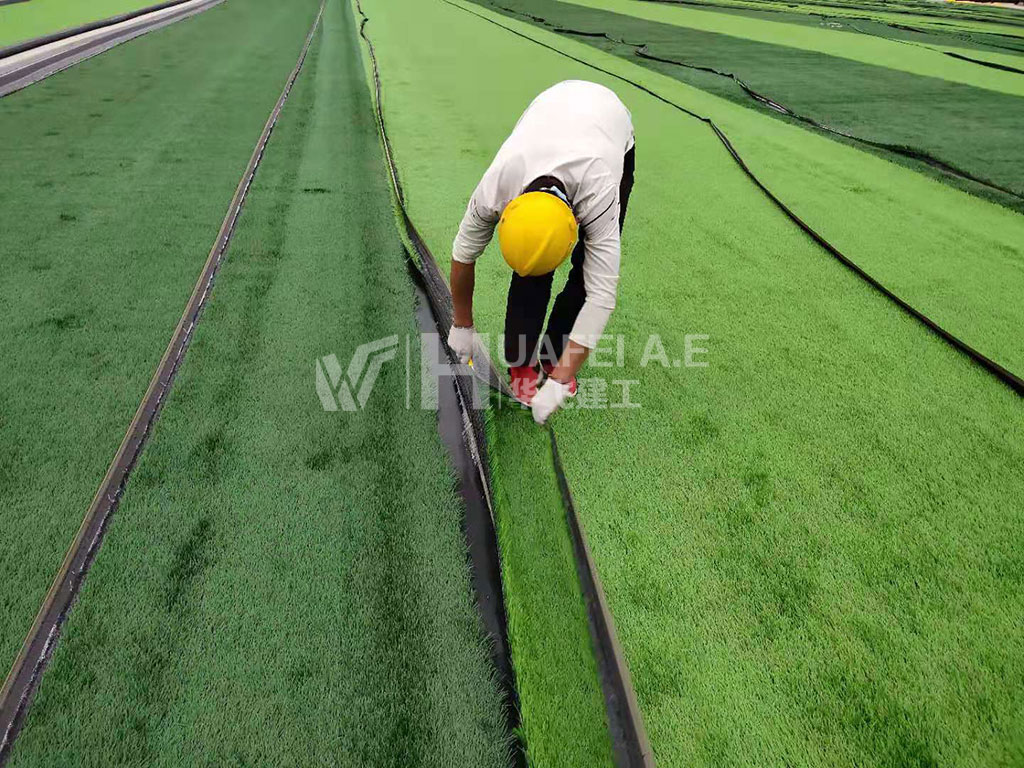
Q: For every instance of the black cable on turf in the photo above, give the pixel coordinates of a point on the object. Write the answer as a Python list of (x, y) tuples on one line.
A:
[(1010, 379)]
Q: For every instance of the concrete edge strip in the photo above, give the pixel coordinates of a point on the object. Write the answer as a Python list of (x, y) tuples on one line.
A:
[(1007, 377), (629, 739), (484, 551), (31, 72), (53, 37), (31, 661)]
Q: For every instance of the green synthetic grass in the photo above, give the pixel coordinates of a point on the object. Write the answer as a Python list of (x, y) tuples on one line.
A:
[(425, 92), (855, 46), (562, 707), (971, 129), (116, 176), (283, 585), (26, 20), (809, 546), (950, 38), (951, 255), (936, 16)]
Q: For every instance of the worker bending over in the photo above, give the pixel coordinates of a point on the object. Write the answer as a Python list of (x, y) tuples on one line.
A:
[(566, 170)]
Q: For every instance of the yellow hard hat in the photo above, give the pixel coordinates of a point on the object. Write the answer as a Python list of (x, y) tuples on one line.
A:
[(537, 232)]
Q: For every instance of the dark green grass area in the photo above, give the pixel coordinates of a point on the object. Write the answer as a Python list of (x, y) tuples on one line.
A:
[(285, 586), (971, 129), (947, 13), (784, 13), (116, 176), (809, 546)]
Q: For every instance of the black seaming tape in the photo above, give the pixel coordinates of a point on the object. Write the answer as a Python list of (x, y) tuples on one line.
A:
[(989, 64), (29, 665), (1007, 377), (629, 740), (479, 524)]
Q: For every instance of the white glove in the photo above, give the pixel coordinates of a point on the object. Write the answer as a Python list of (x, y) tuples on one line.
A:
[(461, 341), (548, 399)]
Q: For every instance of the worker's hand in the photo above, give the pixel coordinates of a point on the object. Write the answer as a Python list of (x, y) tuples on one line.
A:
[(549, 399), (461, 341)]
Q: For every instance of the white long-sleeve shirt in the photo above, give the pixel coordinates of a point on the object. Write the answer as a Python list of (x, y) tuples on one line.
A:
[(577, 132)]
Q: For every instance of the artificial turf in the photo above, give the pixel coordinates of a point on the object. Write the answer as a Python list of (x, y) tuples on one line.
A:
[(26, 20), (951, 256), (284, 585), (927, 14), (855, 46), (970, 128), (425, 90), (116, 176), (821, 18), (809, 545)]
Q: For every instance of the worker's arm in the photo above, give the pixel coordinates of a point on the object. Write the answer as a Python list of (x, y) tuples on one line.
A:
[(569, 364), (601, 280), (477, 226), (463, 278), (475, 232)]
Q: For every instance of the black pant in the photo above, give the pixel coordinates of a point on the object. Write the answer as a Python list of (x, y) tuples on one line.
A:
[(528, 298)]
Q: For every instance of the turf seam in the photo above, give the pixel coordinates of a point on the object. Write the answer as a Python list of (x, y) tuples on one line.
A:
[(1007, 377), (961, 57), (37, 649), (628, 735), (989, 64), (429, 277), (53, 37), (630, 743)]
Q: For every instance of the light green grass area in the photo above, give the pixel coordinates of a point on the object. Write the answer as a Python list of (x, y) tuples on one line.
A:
[(283, 585), (850, 45), (809, 546), (116, 176), (35, 18)]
